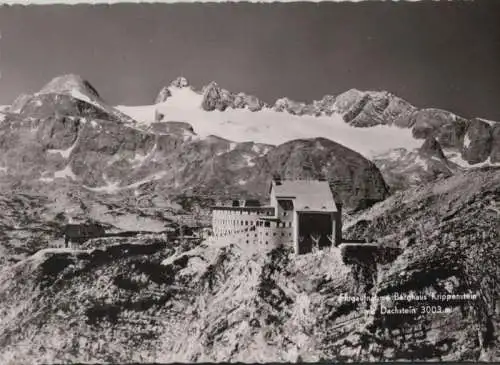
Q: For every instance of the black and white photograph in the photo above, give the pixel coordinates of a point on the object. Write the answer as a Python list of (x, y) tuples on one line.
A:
[(252, 182)]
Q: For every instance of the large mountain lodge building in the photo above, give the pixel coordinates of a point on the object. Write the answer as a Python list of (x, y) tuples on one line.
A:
[(302, 213)]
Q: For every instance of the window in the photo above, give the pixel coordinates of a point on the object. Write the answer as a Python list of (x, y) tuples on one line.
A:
[(267, 224)]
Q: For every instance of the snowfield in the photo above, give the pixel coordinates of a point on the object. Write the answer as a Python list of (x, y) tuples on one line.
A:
[(268, 126), (457, 159)]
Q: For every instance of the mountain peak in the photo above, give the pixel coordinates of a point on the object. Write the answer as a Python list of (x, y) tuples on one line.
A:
[(180, 82), (211, 85), (431, 148), (69, 84), (163, 95)]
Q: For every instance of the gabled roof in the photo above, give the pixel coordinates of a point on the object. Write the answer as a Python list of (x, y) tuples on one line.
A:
[(308, 195)]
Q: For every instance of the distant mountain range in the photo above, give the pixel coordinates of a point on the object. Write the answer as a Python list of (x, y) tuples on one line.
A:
[(67, 132), (477, 139), (214, 142)]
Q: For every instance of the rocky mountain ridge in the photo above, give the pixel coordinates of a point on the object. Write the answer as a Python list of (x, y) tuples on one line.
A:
[(66, 95), (366, 109)]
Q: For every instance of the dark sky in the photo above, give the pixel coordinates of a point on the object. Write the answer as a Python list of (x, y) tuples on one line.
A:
[(434, 54)]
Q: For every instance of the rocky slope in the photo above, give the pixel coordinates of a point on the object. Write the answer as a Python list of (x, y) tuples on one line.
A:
[(402, 168), (34, 214), (66, 95), (146, 300)]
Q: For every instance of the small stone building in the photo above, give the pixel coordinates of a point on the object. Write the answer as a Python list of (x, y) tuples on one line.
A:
[(302, 213)]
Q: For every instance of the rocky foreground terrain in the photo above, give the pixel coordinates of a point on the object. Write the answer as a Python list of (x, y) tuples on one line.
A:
[(145, 299)]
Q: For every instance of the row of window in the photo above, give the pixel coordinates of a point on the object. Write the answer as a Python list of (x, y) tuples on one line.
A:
[(278, 224), (267, 224), (282, 234), (232, 222), (242, 212)]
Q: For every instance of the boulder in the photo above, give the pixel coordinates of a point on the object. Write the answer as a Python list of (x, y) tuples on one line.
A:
[(477, 142)]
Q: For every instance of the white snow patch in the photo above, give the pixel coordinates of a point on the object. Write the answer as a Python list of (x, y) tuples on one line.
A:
[(457, 159), (270, 127), (242, 182), (78, 95), (109, 188), (396, 154), (248, 160), (232, 146), (150, 178), (256, 149), (419, 161), (490, 122), (114, 187), (64, 153), (46, 179), (2, 117), (139, 158), (66, 172), (467, 141)]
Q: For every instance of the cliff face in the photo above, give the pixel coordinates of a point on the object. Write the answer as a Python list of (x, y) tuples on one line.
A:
[(148, 300), (402, 168), (449, 232)]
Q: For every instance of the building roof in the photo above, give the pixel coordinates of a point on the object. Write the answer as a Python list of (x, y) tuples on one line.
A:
[(309, 195)]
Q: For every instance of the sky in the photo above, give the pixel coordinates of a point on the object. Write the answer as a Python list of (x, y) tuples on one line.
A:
[(433, 54)]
